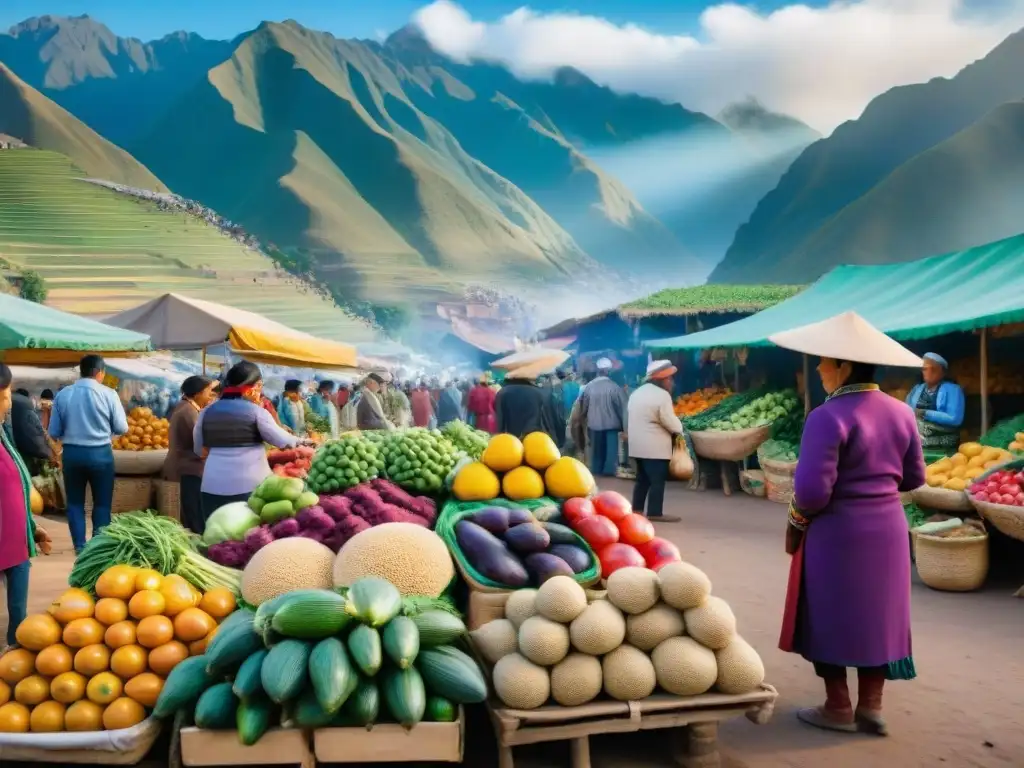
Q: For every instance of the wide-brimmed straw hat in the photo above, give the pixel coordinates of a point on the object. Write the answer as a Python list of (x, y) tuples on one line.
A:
[(847, 337), (660, 369)]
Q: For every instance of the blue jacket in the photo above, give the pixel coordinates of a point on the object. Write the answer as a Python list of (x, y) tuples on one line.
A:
[(949, 404)]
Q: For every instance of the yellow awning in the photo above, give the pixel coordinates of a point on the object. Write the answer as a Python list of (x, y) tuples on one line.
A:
[(56, 357), (260, 346)]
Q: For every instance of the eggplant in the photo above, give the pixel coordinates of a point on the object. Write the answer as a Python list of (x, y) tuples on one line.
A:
[(560, 534), (543, 566), (527, 538), (518, 516), (493, 519), (489, 556), (577, 558)]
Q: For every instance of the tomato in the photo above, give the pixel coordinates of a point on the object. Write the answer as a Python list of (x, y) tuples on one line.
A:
[(635, 529), (612, 505), (616, 556), (598, 532), (659, 550), (576, 509)]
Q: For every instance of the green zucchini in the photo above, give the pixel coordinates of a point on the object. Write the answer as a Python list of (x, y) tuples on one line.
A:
[(363, 706), (309, 713), (284, 670), (232, 646), (311, 616), (334, 678), (247, 679), (183, 686), (373, 600), (252, 719), (216, 708), (441, 710), (401, 641), (405, 696), (266, 610), (365, 648), (450, 673), (438, 628)]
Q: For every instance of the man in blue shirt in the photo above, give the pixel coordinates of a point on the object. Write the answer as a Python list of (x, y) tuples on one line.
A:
[(85, 417)]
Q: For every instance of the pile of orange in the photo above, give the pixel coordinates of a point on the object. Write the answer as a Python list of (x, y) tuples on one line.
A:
[(145, 432), (98, 664), (697, 402)]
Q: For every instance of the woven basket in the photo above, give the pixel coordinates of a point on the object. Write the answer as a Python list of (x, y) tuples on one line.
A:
[(778, 488), (783, 468), (941, 498), (729, 446), (139, 462), (752, 482), (1008, 520), (168, 498), (130, 494), (952, 564)]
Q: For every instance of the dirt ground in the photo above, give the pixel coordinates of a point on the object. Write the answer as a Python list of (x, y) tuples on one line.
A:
[(964, 710)]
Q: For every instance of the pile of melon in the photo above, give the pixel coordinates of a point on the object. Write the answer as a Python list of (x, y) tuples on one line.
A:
[(649, 631)]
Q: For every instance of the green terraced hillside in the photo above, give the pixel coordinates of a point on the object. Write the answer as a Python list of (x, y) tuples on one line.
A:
[(101, 251)]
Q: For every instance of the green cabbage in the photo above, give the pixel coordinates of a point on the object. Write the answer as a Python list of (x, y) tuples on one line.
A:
[(230, 523)]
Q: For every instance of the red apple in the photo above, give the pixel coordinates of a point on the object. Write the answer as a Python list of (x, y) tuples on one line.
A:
[(981, 496), (577, 509), (612, 505)]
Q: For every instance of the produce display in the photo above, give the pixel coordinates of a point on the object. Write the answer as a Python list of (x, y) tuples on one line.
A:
[(761, 411), (278, 498), (729, 405), (472, 442), (779, 450), (653, 631), (1005, 434), (790, 428), (342, 463), (418, 459), (315, 658), (971, 460), (145, 432), (92, 664), (697, 402), (620, 537), (408, 555), (293, 462), (1004, 486)]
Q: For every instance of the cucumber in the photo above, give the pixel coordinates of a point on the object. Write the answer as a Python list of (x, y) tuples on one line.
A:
[(401, 641), (452, 674), (216, 708), (334, 678), (247, 679), (363, 706), (441, 710), (266, 610), (284, 670), (252, 719), (438, 628), (183, 686), (309, 713), (405, 696), (311, 616), (374, 601), (365, 648), (232, 646)]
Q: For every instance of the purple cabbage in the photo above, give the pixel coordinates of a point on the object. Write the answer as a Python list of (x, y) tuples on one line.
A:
[(426, 508), (317, 536), (365, 495), (257, 538), (314, 519), (338, 507), (286, 528), (233, 554)]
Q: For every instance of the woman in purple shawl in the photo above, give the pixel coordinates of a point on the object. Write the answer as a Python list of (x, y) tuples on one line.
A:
[(848, 602)]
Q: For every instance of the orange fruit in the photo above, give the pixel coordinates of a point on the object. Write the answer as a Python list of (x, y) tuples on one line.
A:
[(193, 624), (84, 715), (147, 578), (5, 693), (144, 688), (82, 632), (16, 665), (146, 602), (72, 604), (48, 717), (34, 689), (121, 633), (103, 688), (117, 581), (154, 630), (178, 595), (92, 659), (110, 610), (198, 647), (14, 718), (218, 602), (123, 713), (129, 661), (38, 631), (166, 657), (68, 687), (54, 660)]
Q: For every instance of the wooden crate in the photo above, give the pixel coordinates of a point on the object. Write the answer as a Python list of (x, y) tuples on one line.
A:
[(278, 746), (696, 717), (388, 743)]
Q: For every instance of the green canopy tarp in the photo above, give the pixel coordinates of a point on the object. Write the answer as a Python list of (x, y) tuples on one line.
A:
[(34, 334), (963, 291)]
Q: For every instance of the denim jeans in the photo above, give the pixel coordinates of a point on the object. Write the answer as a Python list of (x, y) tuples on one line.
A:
[(604, 451), (16, 578), (649, 490), (88, 467)]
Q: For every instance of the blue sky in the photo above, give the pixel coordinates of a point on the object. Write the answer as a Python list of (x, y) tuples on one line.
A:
[(222, 19)]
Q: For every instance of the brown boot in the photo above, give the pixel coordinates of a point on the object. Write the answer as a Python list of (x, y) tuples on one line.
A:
[(837, 712), (869, 702)]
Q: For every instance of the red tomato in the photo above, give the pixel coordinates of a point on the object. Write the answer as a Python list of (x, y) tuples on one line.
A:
[(576, 509), (635, 530), (616, 556), (612, 505), (597, 531), (659, 550)]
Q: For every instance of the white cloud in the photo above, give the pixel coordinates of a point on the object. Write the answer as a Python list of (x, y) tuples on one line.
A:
[(822, 64)]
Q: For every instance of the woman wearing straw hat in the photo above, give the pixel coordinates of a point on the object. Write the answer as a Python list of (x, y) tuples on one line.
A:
[(653, 427), (848, 601)]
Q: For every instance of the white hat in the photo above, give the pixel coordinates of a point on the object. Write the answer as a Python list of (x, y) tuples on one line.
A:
[(660, 369), (847, 337), (604, 364)]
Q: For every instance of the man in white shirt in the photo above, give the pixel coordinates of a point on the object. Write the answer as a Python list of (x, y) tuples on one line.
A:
[(653, 429)]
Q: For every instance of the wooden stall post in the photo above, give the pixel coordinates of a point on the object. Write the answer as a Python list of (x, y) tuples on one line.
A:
[(983, 356), (204, 360), (807, 385)]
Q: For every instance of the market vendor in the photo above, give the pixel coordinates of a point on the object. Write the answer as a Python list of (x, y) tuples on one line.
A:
[(369, 411), (938, 404), (293, 408), (324, 405), (182, 465)]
